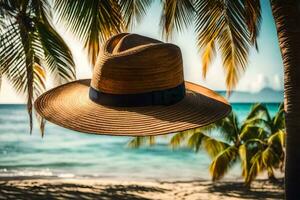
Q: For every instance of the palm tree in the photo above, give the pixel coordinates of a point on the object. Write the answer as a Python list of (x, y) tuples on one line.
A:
[(267, 145), (224, 153), (257, 143), (30, 46), (233, 26), (287, 19), (226, 149)]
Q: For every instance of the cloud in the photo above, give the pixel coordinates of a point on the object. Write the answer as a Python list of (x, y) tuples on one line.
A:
[(277, 82), (263, 81)]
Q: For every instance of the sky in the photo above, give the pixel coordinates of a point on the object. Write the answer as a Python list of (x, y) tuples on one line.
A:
[(264, 68)]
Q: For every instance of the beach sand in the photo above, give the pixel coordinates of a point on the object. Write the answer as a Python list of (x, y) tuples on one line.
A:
[(41, 188)]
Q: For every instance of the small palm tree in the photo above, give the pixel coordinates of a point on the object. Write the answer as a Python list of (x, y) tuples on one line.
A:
[(232, 26), (224, 150), (258, 143), (254, 143), (267, 146), (30, 46)]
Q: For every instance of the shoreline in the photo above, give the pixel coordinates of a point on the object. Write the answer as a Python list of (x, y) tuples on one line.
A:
[(89, 188)]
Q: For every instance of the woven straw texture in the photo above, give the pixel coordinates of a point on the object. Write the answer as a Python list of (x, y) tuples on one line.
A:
[(69, 106), (136, 64), (130, 64)]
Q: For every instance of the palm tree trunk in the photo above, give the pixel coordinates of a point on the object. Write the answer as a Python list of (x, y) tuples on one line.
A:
[(287, 18)]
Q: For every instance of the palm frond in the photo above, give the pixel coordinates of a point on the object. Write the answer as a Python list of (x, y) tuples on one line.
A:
[(179, 138), (270, 158), (259, 110), (208, 56), (278, 121), (222, 162), (92, 21), (140, 141), (206, 20), (253, 19), (229, 127), (264, 159), (7, 8), (245, 154), (253, 132), (212, 146), (247, 151), (191, 136), (257, 121), (58, 56), (223, 23), (42, 10), (19, 61), (133, 11), (177, 15), (12, 57), (277, 138), (195, 141), (256, 167)]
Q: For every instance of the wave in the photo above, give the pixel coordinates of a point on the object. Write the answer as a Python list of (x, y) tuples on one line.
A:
[(50, 165)]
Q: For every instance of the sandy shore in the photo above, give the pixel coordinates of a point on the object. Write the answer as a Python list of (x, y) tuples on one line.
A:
[(22, 188)]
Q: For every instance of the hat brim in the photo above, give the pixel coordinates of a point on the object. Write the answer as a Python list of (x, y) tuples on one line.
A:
[(69, 106)]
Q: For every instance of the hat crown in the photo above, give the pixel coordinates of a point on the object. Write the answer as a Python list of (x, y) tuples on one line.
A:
[(131, 64)]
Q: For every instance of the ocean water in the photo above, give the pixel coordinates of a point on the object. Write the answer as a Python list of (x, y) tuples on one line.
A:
[(70, 154)]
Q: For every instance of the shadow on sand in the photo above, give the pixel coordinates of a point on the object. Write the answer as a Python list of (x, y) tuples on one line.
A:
[(73, 191), (261, 190)]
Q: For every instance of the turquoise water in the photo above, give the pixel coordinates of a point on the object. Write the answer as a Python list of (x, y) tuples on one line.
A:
[(65, 153)]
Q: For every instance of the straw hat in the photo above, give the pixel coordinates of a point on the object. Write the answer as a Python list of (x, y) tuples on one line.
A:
[(137, 89)]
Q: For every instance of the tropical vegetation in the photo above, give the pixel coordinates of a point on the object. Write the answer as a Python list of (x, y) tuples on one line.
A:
[(257, 143), (230, 27)]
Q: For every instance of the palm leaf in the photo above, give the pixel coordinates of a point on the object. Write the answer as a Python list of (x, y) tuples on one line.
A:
[(229, 128), (245, 156), (92, 21), (270, 158), (177, 15), (256, 167), (277, 138), (259, 110), (19, 61), (253, 19), (264, 159), (179, 138), (195, 141), (222, 162), (224, 23), (213, 147), (247, 151), (7, 8), (207, 16), (278, 121), (58, 56), (140, 141), (253, 132), (42, 9), (257, 121), (133, 11)]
